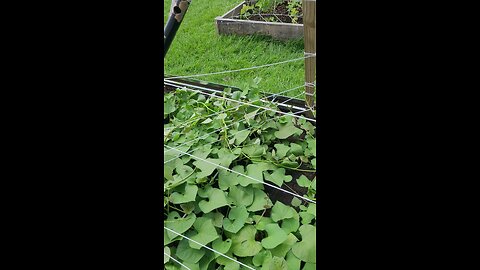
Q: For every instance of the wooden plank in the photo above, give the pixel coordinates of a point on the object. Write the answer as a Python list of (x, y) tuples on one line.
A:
[(226, 25), (309, 22)]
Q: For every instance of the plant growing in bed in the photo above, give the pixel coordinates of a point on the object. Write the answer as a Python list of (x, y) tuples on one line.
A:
[(227, 167)]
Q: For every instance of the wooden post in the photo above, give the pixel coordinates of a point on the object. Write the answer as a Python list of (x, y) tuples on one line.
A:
[(309, 31)]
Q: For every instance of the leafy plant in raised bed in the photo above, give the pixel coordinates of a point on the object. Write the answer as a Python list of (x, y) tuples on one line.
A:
[(232, 211), (287, 11)]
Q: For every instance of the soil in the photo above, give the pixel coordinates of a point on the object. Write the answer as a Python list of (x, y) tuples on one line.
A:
[(279, 9)]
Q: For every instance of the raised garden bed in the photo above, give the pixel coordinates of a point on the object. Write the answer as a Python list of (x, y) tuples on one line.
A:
[(210, 143), (277, 26)]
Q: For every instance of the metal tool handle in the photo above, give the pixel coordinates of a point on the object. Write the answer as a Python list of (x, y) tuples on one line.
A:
[(177, 12)]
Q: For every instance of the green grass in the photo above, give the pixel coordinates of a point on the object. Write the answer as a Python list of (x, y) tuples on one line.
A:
[(198, 49)]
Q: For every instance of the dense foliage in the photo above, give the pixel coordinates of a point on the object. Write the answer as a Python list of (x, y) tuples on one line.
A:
[(228, 212), (290, 8)]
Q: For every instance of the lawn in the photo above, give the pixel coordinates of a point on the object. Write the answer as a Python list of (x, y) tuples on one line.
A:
[(198, 49)]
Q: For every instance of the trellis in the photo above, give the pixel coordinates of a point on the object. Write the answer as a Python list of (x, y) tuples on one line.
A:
[(309, 58)]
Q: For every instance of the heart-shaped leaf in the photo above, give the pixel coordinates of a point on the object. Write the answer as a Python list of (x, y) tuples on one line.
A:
[(227, 179), (303, 181), (278, 177), (261, 257), (221, 246), (282, 249), (243, 242), (178, 224), (216, 217), (206, 234), (226, 157), (206, 167), (286, 131), (215, 200), (276, 263), (188, 254), (292, 261), (188, 195), (241, 136), (239, 195), (296, 202), (306, 217), (239, 215), (261, 222), (281, 211), (282, 150), (291, 224), (306, 249), (260, 201), (296, 149), (275, 237)]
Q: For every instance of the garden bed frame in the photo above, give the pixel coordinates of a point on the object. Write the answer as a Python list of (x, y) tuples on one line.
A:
[(227, 25)]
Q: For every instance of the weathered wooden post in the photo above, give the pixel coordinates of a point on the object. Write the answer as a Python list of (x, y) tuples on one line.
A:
[(309, 30)]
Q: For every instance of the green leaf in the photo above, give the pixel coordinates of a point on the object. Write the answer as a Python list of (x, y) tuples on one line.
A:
[(226, 157), (261, 257), (243, 242), (276, 263), (188, 207), (241, 136), (204, 263), (178, 224), (291, 224), (260, 201), (278, 177), (296, 149), (281, 211), (239, 215), (215, 200), (303, 181), (239, 195), (310, 266), (293, 262), (254, 150), (289, 164), (188, 254), (222, 246), (312, 145), (165, 257), (227, 179), (188, 195), (296, 202), (306, 217), (282, 249), (206, 234), (306, 249), (207, 121), (253, 171), (216, 217), (286, 131), (261, 222), (231, 265), (282, 150), (206, 167), (276, 236)]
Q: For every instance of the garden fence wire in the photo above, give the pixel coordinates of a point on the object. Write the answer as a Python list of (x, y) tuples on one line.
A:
[(196, 89)]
